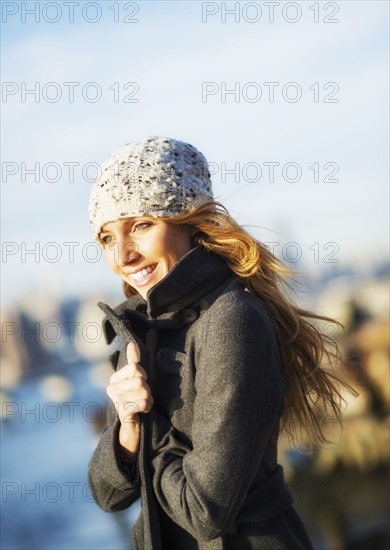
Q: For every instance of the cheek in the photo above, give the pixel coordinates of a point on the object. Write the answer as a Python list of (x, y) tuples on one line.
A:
[(177, 245)]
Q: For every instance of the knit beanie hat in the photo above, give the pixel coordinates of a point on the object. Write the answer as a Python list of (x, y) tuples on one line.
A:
[(157, 176)]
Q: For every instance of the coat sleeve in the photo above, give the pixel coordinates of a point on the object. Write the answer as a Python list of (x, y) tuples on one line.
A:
[(239, 391), (114, 484)]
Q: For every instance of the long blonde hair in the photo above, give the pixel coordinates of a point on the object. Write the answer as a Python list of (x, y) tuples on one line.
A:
[(310, 357)]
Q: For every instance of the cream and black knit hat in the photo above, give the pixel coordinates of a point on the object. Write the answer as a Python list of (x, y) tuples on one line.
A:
[(157, 176)]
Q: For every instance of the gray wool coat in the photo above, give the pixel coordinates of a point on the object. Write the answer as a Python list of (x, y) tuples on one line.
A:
[(207, 469)]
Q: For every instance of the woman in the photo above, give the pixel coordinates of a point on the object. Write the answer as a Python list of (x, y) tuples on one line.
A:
[(216, 359)]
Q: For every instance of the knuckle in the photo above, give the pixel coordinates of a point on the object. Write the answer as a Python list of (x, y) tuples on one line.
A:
[(146, 394), (145, 404), (138, 383), (144, 374)]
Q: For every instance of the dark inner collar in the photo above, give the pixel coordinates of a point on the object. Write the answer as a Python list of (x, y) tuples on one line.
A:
[(193, 276)]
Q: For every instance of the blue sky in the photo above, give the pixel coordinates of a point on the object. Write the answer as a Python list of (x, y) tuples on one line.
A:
[(164, 61)]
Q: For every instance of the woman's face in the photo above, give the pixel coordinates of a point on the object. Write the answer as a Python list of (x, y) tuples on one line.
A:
[(143, 250)]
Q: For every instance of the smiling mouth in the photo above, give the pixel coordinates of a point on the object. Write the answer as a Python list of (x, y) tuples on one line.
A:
[(143, 275)]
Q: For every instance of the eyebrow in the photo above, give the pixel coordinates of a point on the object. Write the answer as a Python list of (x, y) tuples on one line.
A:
[(130, 221)]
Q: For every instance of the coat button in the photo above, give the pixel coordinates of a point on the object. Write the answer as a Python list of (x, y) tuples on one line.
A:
[(188, 315)]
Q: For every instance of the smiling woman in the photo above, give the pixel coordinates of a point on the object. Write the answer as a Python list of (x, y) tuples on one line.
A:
[(143, 250), (216, 361)]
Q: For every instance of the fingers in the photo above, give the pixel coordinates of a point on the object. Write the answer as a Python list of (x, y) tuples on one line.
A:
[(132, 353), (128, 388), (140, 405), (128, 371), (129, 400), (141, 399), (128, 384)]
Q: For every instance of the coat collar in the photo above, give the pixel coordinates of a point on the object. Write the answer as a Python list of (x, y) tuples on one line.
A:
[(192, 277), (174, 301)]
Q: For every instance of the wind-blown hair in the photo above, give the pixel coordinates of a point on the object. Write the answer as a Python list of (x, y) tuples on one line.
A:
[(311, 359)]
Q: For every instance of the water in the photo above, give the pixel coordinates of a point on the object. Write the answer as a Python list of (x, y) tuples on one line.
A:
[(46, 502)]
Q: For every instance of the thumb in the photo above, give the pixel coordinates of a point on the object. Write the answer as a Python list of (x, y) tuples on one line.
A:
[(133, 355)]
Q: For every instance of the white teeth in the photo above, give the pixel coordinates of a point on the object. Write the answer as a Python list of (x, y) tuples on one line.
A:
[(142, 273)]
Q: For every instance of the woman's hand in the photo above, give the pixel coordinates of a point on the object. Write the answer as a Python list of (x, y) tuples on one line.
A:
[(131, 395)]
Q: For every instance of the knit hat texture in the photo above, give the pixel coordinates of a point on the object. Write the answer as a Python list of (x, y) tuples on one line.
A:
[(157, 176)]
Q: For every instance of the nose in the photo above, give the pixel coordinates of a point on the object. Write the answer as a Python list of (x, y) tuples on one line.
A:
[(127, 252)]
